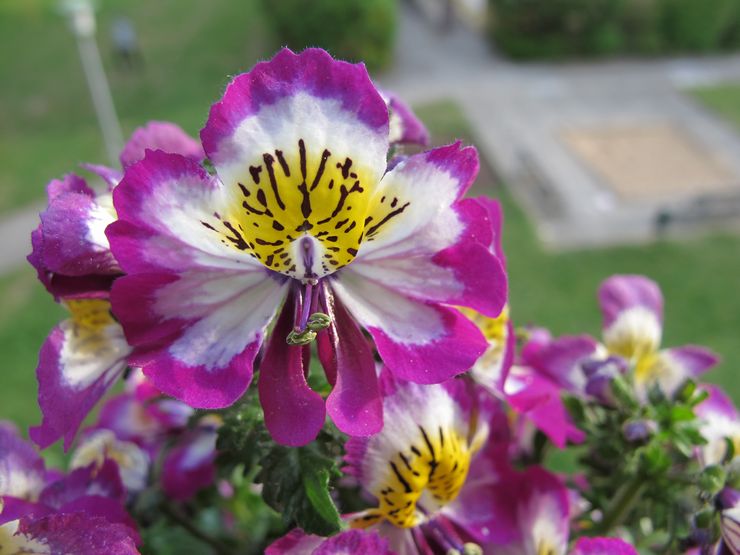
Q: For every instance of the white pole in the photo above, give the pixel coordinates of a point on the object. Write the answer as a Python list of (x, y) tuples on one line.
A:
[(82, 19)]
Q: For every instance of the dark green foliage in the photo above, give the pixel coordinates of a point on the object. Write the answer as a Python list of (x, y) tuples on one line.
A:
[(355, 30), (560, 28), (296, 484), (654, 475), (295, 480)]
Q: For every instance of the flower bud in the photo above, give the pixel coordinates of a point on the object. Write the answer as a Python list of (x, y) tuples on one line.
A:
[(639, 430)]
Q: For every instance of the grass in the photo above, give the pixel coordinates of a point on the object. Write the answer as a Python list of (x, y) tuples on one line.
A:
[(724, 99), (48, 124)]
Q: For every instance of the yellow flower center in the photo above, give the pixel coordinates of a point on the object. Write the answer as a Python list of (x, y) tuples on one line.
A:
[(304, 214), (432, 471)]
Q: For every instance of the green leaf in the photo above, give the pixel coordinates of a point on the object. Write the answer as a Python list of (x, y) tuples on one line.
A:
[(296, 484)]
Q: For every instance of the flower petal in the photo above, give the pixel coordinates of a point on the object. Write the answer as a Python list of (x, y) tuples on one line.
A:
[(294, 413), (21, 468), (160, 135), (196, 335), (405, 126), (602, 546), (354, 404), (632, 307), (445, 261), (78, 363), (189, 466), (419, 342), (73, 230), (76, 533), (172, 217), (418, 191), (300, 143)]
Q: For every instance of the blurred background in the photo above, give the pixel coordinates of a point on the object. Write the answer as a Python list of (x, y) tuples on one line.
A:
[(609, 129)]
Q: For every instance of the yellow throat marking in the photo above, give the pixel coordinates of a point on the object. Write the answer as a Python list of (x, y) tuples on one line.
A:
[(322, 195), (437, 464)]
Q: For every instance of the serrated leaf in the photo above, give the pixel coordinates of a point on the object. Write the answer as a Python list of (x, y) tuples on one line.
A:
[(296, 484)]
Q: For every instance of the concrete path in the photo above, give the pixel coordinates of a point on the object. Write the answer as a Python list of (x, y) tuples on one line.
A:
[(517, 112), (520, 111)]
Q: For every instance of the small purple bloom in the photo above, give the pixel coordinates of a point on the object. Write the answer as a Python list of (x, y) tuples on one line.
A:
[(632, 307), (302, 208)]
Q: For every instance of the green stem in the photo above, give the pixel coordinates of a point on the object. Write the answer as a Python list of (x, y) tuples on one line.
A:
[(624, 501), (176, 516)]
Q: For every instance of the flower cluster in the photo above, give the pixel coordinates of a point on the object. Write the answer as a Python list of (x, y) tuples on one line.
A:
[(302, 242)]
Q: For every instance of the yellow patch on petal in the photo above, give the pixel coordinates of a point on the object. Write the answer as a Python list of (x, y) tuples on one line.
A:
[(437, 465), (321, 195), (89, 318)]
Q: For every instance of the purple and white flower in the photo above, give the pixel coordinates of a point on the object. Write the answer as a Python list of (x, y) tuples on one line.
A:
[(433, 485), (632, 308), (356, 542), (720, 424), (302, 208), (84, 355)]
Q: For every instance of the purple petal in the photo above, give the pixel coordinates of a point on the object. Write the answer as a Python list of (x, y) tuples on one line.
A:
[(111, 176), (405, 126), (357, 542), (539, 399), (189, 466), (173, 216), (78, 533), (160, 135), (561, 361), (73, 233), (621, 292), (294, 413), (496, 218), (73, 378), (329, 104), (419, 342), (354, 403), (455, 267), (413, 206), (21, 468), (602, 546), (196, 335), (102, 481), (693, 360)]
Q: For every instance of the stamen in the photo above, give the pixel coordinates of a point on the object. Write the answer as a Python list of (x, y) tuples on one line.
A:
[(449, 543), (306, 323)]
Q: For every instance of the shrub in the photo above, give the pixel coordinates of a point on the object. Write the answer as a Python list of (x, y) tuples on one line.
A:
[(559, 28), (355, 30)]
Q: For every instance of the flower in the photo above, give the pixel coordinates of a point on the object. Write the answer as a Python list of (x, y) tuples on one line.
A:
[(47, 513), (719, 425), (728, 502), (85, 354), (431, 481), (632, 308), (301, 213), (547, 368)]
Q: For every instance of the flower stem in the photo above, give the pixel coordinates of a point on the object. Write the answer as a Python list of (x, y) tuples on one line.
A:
[(624, 501)]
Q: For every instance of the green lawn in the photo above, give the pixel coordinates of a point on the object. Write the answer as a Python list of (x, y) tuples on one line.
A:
[(723, 99), (47, 123)]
